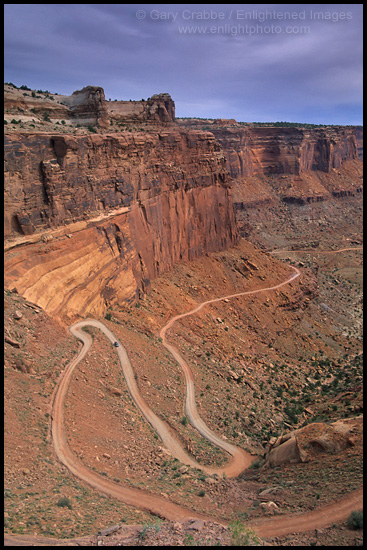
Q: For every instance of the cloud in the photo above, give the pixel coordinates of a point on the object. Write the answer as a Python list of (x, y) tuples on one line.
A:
[(64, 47)]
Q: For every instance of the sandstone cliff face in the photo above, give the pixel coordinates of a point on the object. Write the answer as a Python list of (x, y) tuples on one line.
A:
[(61, 178), (295, 165), (276, 150), (359, 136), (177, 204), (159, 108), (86, 107)]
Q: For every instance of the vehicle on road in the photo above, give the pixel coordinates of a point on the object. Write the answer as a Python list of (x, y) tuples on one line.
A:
[(116, 344)]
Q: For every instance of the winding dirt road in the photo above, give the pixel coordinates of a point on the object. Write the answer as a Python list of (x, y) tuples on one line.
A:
[(239, 461), (157, 505), (314, 251)]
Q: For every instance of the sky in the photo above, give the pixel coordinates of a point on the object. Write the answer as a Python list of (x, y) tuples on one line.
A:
[(251, 62)]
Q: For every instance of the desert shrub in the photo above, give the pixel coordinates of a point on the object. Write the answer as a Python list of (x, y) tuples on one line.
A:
[(92, 129), (257, 463), (242, 536), (64, 502), (355, 520)]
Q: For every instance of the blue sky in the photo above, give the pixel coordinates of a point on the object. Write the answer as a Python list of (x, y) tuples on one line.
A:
[(251, 62)]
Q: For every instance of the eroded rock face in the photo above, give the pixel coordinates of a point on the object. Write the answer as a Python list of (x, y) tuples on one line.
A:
[(88, 106), (302, 444), (277, 150), (55, 179), (172, 189), (159, 108), (271, 165)]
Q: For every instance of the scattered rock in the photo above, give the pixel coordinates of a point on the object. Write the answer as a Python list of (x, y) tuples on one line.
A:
[(23, 365), (12, 342), (211, 480), (108, 530), (114, 391), (18, 314), (270, 507), (268, 491), (197, 525)]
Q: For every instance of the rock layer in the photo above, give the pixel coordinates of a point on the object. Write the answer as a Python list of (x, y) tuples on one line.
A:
[(288, 150), (173, 189)]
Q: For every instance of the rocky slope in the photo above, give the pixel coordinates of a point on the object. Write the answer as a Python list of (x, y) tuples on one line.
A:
[(258, 362)]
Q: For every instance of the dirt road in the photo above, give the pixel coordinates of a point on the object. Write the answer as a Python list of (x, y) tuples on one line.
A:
[(317, 519), (158, 505), (241, 459), (315, 251)]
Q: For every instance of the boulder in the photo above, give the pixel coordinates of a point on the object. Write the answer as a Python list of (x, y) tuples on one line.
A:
[(288, 452)]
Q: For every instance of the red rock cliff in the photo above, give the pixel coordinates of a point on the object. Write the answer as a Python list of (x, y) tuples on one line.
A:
[(285, 150), (290, 164), (170, 187)]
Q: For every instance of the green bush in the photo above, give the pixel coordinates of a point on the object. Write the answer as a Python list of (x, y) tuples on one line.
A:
[(64, 502), (242, 536), (92, 129), (355, 520)]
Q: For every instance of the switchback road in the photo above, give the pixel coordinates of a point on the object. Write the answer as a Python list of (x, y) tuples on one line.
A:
[(157, 505)]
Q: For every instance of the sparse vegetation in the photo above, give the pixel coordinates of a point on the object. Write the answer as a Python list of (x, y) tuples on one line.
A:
[(355, 520), (242, 536), (64, 502)]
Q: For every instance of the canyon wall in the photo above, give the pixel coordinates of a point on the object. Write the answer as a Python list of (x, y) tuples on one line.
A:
[(54, 179), (269, 164), (147, 200), (285, 150), (104, 196)]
